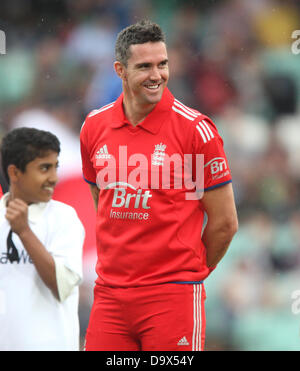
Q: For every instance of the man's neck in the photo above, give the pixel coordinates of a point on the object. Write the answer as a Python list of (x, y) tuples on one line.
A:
[(135, 112)]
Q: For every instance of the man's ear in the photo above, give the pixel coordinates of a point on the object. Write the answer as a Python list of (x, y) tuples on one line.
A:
[(120, 69), (13, 173)]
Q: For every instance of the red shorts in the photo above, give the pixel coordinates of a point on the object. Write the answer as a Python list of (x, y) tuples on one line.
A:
[(166, 317)]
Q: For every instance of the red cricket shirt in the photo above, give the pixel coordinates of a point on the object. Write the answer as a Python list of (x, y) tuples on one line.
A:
[(1, 193), (149, 219)]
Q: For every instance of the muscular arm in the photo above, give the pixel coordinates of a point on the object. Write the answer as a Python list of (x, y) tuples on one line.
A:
[(17, 215), (95, 194), (222, 222)]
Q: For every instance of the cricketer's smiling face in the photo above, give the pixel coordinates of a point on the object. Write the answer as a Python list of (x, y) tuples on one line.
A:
[(147, 73)]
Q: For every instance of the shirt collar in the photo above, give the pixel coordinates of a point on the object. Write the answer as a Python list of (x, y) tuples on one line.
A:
[(35, 211), (154, 119)]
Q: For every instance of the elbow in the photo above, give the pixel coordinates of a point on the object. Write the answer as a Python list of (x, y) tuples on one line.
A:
[(231, 227), (234, 226), (228, 228)]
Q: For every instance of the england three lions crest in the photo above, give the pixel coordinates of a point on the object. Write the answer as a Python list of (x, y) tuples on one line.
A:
[(158, 155)]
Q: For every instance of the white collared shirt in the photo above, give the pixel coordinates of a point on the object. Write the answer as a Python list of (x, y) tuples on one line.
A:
[(30, 316)]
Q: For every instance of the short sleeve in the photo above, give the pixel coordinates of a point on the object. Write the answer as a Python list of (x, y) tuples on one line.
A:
[(66, 238), (87, 166), (208, 142)]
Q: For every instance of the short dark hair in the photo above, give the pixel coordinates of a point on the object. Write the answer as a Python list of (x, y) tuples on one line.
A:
[(138, 33), (23, 145)]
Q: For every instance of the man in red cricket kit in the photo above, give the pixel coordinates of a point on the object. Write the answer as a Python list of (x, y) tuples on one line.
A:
[(153, 249)]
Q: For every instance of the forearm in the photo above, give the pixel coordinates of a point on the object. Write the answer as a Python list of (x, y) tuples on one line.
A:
[(216, 240), (41, 258)]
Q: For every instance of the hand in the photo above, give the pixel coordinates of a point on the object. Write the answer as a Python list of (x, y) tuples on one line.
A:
[(17, 216)]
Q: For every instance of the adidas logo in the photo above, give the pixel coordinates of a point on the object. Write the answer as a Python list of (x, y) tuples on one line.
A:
[(183, 341), (103, 153)]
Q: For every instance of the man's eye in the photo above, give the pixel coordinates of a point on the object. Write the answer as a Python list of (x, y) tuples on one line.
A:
[(164, 64)]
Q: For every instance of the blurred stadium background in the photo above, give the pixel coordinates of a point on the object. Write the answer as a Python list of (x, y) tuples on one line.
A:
[(230, 59)]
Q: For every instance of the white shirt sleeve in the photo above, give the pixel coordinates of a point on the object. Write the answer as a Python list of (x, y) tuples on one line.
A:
[(66, 279), (65, 245)]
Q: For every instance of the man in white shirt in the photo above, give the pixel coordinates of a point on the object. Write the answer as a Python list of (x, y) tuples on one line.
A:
[(40, 249)]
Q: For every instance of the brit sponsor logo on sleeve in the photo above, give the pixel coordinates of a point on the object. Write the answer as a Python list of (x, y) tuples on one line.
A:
[(218, 167)]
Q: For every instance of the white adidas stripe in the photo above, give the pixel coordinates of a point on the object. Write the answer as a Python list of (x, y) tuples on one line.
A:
[(106, 106), (196, 344), (205, 130), (93, 113), (198, 318), (208, 128), (201, 133), (191, 110), (183, 114), (185, 108)]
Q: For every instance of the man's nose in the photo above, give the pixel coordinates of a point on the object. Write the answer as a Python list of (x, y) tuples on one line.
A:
[(155, 74)]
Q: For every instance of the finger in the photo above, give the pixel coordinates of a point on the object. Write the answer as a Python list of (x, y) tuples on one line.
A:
[(17, 206), (11, 216), (15, 212), (18, 202)]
